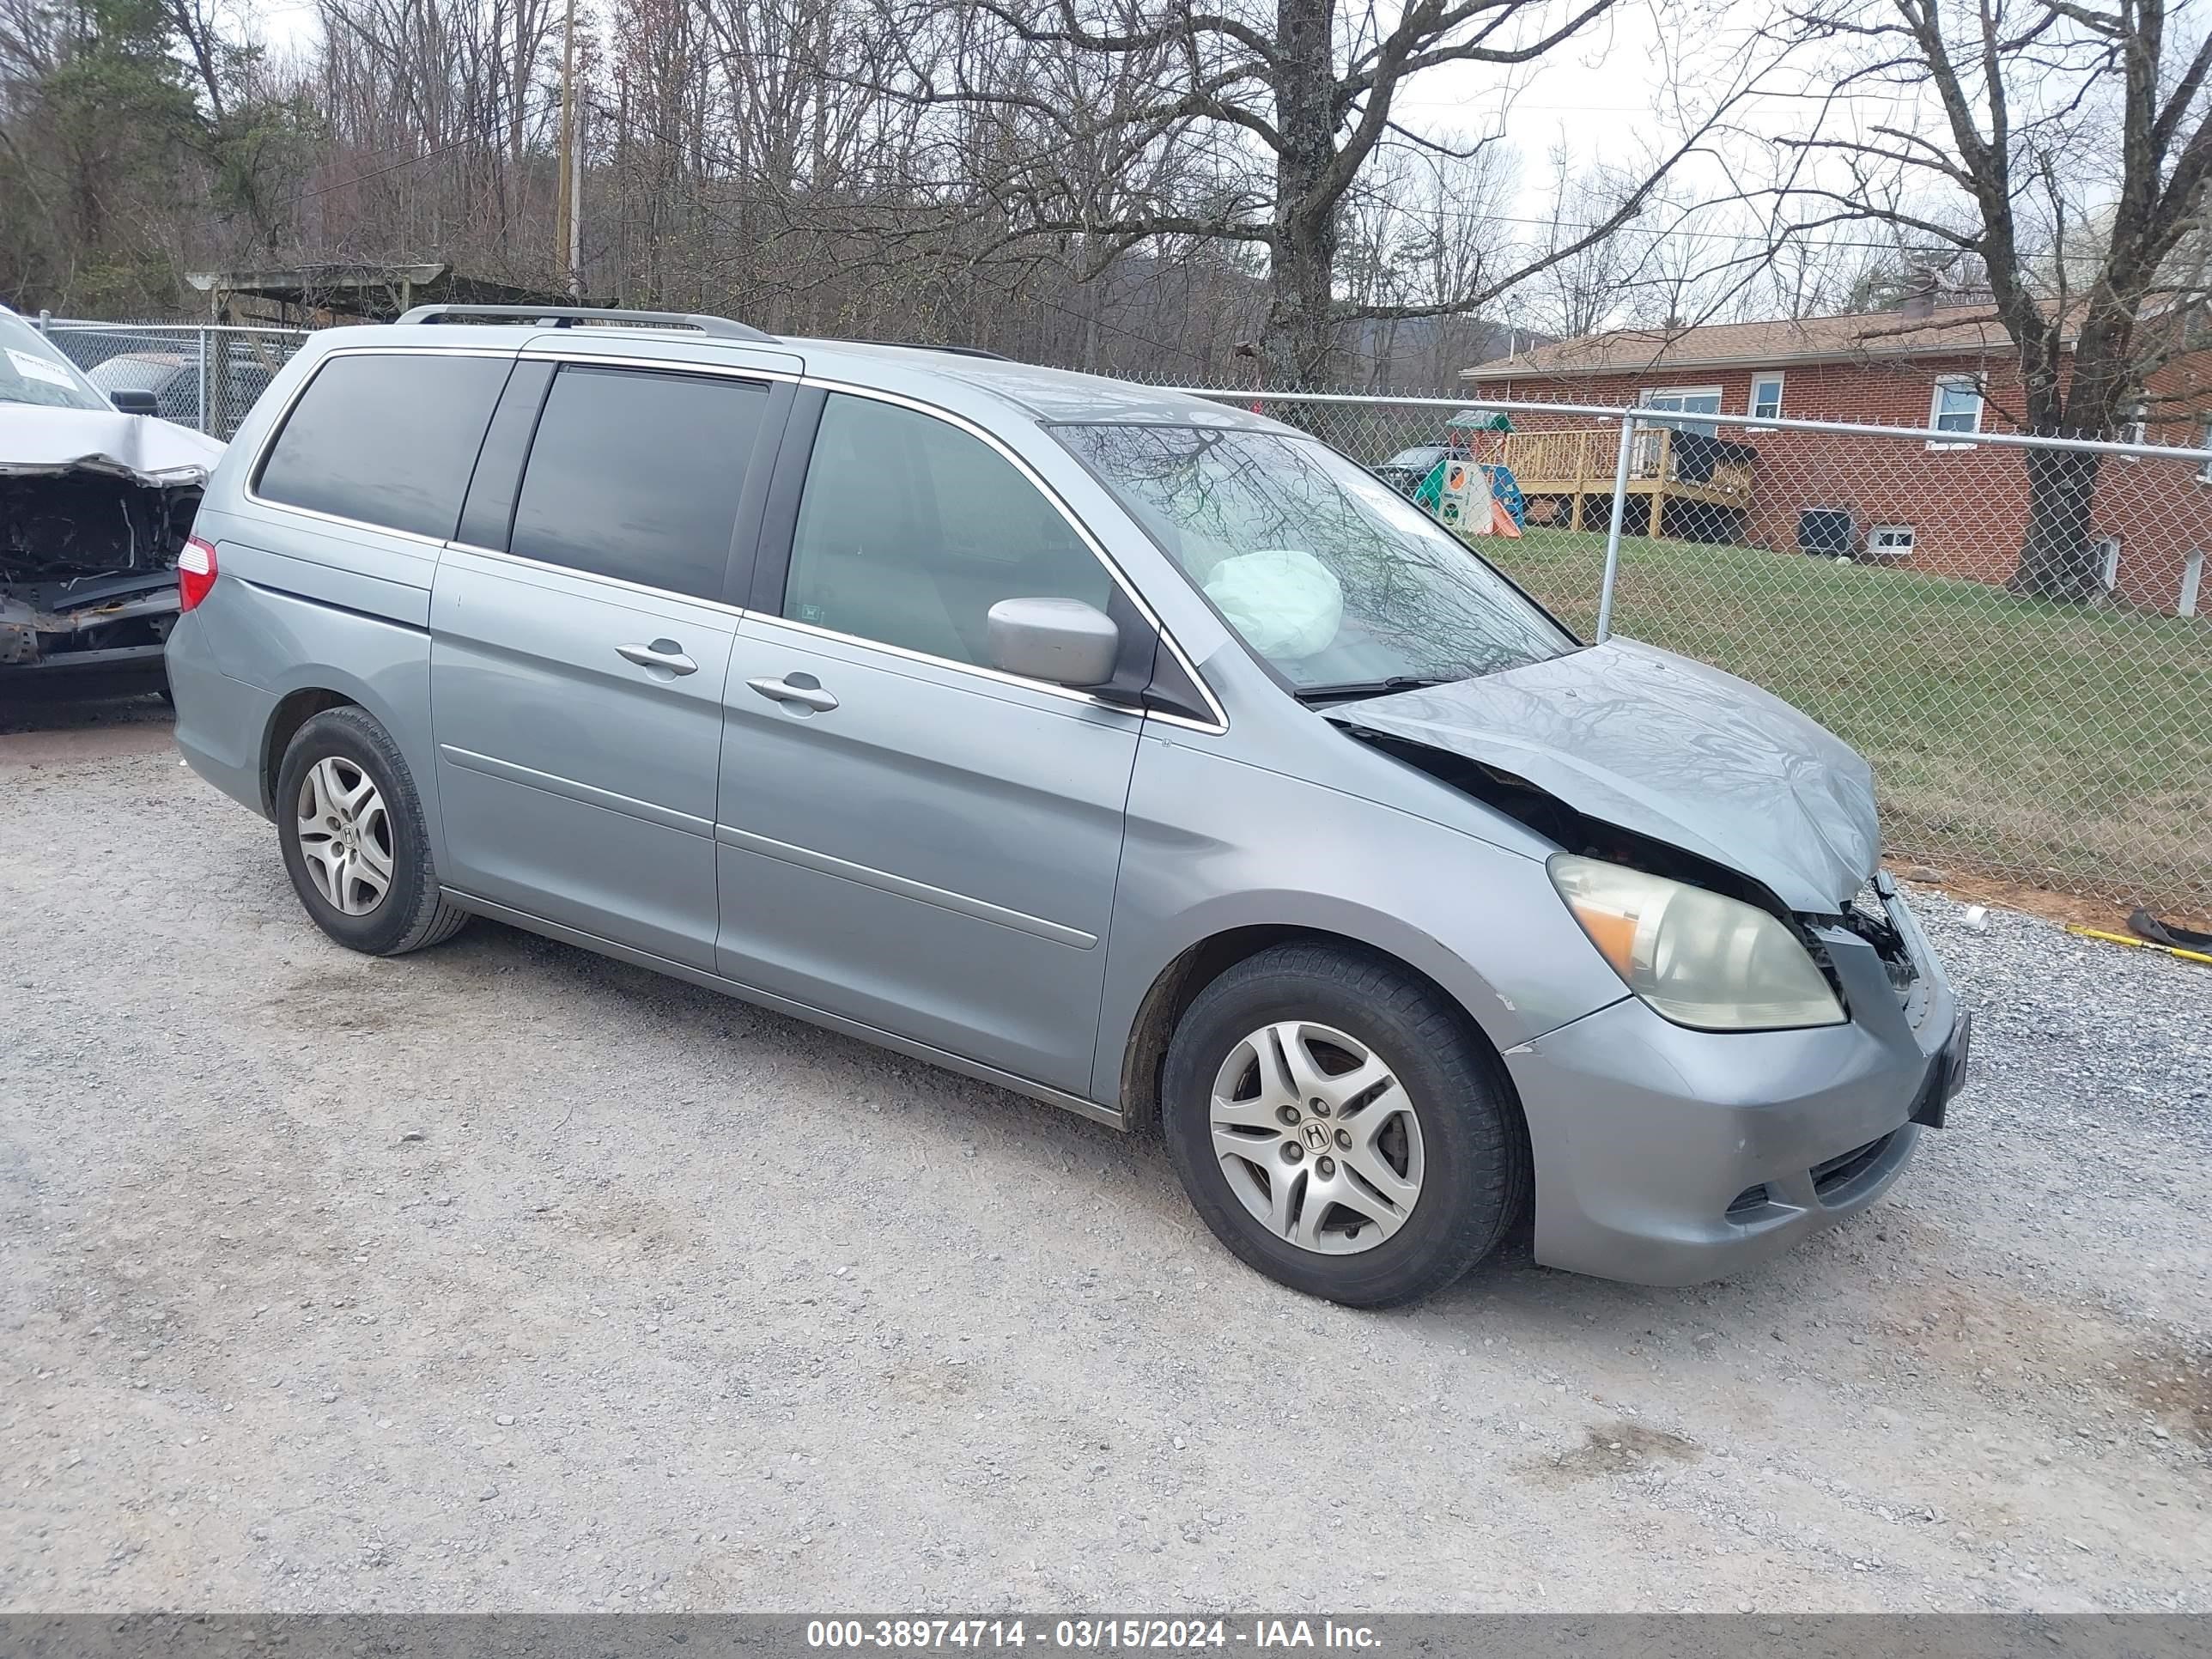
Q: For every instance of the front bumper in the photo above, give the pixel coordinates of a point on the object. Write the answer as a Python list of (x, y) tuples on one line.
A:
[(1665, 1156), (104, 628)]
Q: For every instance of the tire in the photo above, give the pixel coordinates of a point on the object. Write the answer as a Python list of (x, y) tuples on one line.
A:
[(1450, 1126), (349, 850)]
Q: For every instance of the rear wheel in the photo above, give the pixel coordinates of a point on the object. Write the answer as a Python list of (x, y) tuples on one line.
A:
[(1339, 1128), (355, 843)]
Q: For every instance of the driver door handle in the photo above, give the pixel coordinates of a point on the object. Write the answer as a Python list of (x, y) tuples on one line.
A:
[(661, 653), (813, 696)]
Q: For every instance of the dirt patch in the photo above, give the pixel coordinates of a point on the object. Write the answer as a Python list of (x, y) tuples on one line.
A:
[(1621, 1447), (2028, 1356), (632, 1224), (315, 1006), (2105, 914), (925, 1382), (2174, 1385)]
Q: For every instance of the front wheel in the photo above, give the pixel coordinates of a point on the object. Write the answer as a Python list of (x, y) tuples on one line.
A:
[(1339, 1128), (356, 842)]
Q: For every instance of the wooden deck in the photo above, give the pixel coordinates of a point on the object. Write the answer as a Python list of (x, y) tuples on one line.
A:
[(1569, 475)]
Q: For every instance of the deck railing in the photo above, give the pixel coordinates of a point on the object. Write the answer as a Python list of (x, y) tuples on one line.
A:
[(1573, 467)]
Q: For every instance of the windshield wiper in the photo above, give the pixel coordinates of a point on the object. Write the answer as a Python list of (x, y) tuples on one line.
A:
[(1347, 691)]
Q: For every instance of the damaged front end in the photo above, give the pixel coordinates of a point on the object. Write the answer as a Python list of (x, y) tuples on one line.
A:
[(1633, 755), (88, 563)]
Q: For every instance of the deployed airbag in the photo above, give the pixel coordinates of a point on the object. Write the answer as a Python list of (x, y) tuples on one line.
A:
[(1287, 603)]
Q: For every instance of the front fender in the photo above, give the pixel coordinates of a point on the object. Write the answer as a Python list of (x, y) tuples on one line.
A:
[(1214, 845)]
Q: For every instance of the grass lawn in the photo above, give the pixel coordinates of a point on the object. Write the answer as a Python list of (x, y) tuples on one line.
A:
[(2037, 741)]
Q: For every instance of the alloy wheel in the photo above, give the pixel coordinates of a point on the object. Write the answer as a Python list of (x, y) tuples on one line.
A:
[(345, 835), (1317, 1136)]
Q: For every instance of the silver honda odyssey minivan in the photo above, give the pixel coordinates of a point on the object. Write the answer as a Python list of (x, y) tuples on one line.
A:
[(1132, 751)]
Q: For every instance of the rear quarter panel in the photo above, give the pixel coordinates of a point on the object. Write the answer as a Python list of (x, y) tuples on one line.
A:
[(309, 603), (281, 624)]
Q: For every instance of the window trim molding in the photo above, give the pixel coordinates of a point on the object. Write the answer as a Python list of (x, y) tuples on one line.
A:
[(1750, 399), (1073, 693), (1954, 382), (538, 427), (1874, 530), (564, 354), (249, 493), (643, 590), (1678, 416), (1645, 394), (1059, 503), (249, 490)]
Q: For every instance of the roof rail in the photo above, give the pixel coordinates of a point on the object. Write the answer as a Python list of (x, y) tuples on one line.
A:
[(572, 316), (957, 351)]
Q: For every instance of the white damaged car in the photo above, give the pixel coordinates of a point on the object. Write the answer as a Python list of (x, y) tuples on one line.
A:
[(96, 498)]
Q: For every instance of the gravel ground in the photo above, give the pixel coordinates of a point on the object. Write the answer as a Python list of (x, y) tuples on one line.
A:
[(505, 1276)]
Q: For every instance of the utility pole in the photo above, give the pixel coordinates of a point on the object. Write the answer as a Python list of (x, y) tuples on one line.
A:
[(576, 208), (566, 241)]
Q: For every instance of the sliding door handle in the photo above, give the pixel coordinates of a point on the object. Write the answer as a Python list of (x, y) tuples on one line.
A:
[(661, 653), (812, 696)]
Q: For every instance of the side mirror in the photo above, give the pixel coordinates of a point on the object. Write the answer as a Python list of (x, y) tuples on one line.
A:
[(1063, 640), (135, 400)]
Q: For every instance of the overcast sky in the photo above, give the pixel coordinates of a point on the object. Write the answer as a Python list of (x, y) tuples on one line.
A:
[(1608, 95), (1614, 71)]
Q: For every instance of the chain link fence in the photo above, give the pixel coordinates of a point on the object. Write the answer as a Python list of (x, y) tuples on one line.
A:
[(202, 375), (2014, 631)]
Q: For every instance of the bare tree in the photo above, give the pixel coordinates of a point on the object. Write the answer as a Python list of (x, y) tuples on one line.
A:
[(1124, 184), (1581, 290), (2060, 144), (1274, 113)]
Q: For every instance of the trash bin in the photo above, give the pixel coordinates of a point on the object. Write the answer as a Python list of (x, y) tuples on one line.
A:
[(1696, 455), (1826, 532)]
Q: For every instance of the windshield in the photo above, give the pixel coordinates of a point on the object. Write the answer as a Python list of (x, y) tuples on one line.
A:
[(32, 371), (1332, 577)]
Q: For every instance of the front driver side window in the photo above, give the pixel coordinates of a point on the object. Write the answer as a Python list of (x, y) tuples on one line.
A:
[(910, 530)]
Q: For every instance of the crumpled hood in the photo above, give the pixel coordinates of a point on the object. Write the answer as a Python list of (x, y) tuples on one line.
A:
[(37, 441), (1655, 744)]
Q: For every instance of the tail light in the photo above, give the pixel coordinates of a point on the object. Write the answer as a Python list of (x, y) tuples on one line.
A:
[(194, 573)]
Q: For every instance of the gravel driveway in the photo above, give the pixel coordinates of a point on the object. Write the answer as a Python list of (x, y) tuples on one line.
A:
[(508, 1276)]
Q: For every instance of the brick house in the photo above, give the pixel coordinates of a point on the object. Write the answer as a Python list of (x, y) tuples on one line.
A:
[(1951, 507)]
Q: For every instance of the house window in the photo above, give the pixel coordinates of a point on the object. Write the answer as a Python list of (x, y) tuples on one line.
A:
[(2136, 429), (1956, 407), (1688, 400), (1890, 541), (1765, 397)]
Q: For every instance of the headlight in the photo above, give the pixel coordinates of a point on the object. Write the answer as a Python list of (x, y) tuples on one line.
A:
[(1696, 958)]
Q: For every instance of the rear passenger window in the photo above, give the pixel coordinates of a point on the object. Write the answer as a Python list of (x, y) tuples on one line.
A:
[(387, 439), (637, 474), (910, 530)]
